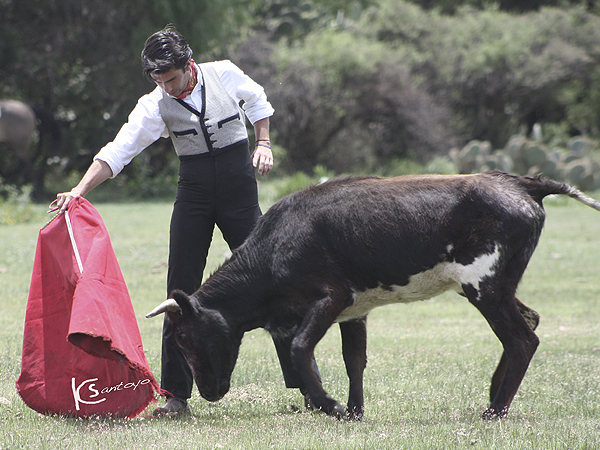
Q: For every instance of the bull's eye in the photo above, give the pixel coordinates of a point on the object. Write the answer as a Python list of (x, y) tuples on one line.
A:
[(180, 337)]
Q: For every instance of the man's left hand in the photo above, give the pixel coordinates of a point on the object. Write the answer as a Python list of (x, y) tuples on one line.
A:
[(262, 158)]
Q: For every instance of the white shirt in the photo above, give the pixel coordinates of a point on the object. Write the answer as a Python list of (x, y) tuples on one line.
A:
[(145, 125)]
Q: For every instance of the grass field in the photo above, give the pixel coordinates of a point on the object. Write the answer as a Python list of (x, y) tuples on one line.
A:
[(426, 383)]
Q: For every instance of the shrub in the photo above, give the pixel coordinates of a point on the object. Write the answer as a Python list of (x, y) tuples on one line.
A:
[(15, 204), (346, 102)]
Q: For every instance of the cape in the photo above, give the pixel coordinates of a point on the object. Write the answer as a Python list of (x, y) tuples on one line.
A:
[(82, 349)]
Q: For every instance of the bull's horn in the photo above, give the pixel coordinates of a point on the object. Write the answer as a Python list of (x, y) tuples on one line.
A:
[(168, 305)]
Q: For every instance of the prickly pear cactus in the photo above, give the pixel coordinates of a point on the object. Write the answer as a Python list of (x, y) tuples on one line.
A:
[(526, 157)]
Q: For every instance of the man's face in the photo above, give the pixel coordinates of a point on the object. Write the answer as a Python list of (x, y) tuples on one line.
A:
[(174, 81)]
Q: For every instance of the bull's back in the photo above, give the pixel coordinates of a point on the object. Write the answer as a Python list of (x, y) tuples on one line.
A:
[(403, 239)]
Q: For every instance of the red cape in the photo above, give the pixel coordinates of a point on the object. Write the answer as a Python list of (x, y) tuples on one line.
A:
[(82, 350)]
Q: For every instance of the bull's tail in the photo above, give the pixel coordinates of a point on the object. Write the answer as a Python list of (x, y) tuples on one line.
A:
[(578, 195), (539, 188)]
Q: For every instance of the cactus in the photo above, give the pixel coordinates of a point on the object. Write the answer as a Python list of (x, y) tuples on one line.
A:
[(471, 156), (535, 155), (579, 145), (525, 157)]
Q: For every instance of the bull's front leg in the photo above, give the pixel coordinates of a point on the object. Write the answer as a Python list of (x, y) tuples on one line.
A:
[(354, 349), (316, 322)]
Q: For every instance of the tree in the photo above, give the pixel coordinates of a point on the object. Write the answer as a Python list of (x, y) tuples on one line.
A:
[(80, 58), (499, 73), (520, 6)]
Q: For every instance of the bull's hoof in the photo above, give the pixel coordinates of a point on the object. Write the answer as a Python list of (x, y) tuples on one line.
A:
[(494, 413), (354, 412), (338, 411), (333, 408), (308, 404)]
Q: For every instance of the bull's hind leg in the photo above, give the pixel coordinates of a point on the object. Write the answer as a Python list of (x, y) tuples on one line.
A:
[(499, 308), (533, 319), (354, 349)]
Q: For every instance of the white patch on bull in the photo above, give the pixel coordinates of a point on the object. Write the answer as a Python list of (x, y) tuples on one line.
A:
[(425, 285)]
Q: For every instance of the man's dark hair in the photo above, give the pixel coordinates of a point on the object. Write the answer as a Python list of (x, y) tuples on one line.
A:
[(165, 50)]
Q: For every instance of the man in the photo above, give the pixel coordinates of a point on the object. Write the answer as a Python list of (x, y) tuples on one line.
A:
[(202, 108)]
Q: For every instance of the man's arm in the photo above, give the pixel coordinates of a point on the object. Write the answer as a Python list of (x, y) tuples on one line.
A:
[(97, 173)]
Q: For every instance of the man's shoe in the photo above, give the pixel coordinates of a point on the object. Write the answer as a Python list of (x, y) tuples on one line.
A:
[(174, 407)]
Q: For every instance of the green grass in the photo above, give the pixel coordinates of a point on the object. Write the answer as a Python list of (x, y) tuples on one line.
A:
[(426, 383)]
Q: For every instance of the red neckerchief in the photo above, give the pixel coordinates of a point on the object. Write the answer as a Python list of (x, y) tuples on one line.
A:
[(192, 82)]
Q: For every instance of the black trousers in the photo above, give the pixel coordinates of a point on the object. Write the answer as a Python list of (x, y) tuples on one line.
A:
[(212, 190)]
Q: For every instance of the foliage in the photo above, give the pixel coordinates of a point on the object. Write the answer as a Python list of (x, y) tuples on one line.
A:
[(356, 85), (300, 180), (347, 102), (451, 6), (80, 58), (15, 204), (295, 19), (403, 82), (500, 72)]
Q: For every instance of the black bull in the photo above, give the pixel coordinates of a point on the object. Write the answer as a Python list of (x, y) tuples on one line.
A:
[(333, 252)]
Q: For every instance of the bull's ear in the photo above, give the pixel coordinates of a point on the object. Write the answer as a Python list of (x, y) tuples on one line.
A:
[(184, 301)]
